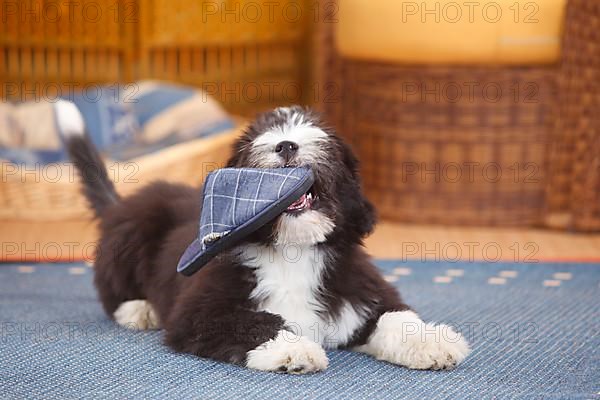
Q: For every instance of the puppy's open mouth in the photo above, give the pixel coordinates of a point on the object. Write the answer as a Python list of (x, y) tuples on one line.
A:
[(305, 202)]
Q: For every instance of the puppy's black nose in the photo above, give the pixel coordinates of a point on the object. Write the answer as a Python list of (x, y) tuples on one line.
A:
[(286, 149)]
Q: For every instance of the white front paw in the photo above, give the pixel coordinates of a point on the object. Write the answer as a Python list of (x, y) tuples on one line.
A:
[(403, 338), (288, 353), (441, 347)]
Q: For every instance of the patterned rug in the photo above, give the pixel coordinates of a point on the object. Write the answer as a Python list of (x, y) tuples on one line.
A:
[(534, 329)]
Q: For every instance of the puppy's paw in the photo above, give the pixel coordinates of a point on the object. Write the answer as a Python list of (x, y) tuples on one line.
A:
[(137, 314), (403, 338), (288, 353), (441, 348)]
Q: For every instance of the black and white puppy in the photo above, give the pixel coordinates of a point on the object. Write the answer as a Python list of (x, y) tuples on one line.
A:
[(301, 284)]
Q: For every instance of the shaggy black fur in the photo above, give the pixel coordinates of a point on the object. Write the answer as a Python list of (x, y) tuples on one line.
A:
[(210, 313)]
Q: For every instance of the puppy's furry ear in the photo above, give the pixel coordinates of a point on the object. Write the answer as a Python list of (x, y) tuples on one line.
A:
[(238, 155), (363, 212), (366, 218), (235, 158)]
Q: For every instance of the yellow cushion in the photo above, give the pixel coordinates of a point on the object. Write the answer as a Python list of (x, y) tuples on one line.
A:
[(451, 32)]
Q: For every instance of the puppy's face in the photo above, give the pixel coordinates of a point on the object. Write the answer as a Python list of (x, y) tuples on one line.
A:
[(295, 137)]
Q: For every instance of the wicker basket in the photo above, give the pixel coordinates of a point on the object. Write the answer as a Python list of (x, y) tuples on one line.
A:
[(412, 146), (574, 185), (429, 160), (415, 133), (45, 218)]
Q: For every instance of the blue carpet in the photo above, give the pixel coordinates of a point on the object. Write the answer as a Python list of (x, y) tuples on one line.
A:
[(534, 331)]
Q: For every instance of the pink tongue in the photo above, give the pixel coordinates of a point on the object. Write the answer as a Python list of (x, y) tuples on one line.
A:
[(297, 203)]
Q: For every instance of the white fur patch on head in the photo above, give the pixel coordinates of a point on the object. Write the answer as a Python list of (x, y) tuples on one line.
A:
[(308, 228), (137, 314), (288, 353), (296, 128), (69, 119), (402, 338)]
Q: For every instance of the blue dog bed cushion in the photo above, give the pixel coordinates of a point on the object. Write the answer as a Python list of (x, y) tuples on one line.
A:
[(123, 122), (237, 202)]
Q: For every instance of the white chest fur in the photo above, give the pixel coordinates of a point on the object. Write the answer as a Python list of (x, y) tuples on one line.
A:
[(289, 280)]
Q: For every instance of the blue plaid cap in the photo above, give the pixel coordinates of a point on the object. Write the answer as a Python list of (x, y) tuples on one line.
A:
[(237, 202)]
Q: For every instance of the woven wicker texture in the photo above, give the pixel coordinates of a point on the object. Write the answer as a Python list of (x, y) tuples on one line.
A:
[(476, 145), (453, 145), (426, 158), (574, 189), (44, 216), (52, 192)]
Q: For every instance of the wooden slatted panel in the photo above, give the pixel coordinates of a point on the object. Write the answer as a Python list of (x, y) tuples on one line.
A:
[(251, 55), (244, 53), (53, 46)]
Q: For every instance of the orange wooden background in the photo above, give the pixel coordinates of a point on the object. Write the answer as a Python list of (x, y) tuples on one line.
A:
[(250, 55)]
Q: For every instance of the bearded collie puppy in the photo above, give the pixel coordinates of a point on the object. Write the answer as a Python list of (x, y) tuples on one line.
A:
[(300, 284)]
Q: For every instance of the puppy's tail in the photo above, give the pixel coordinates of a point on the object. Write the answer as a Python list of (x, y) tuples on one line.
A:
[(97, 187)]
